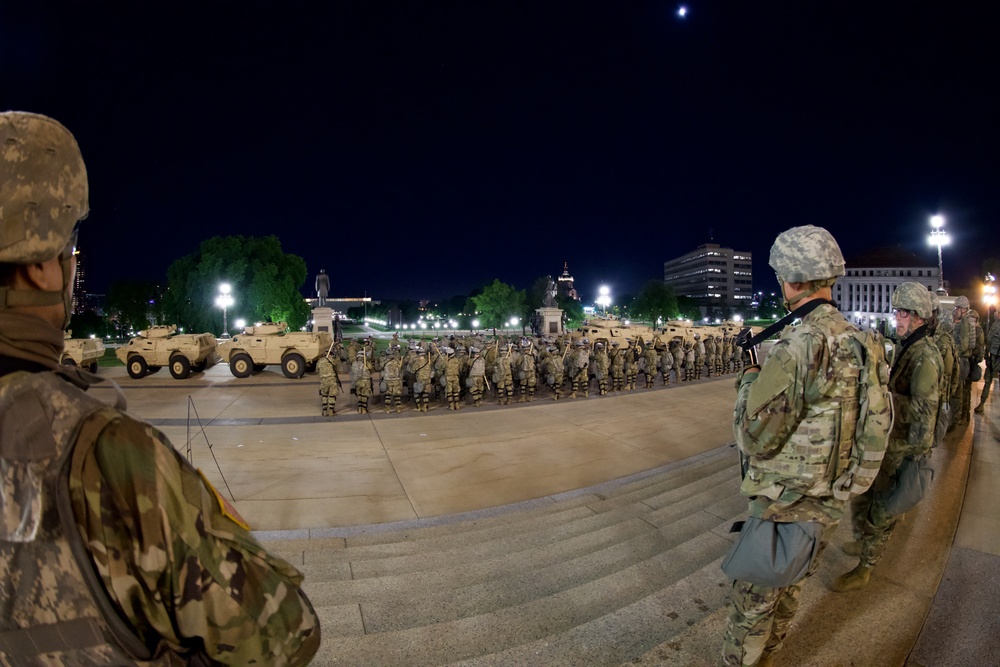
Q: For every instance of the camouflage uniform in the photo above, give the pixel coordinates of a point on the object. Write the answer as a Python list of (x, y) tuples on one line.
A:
[(915, 385), (477, 377), (727, 353), (965, 341), (329, 385), (992, 359), (580, 370), (650, 359), (602, 366), (422, 379), (503, 378), (699, 356), (949, 372), (677, 350), (710, 355), (392, 375), (361, 381), (631, 364), (666, 363), (786, 421), (617, 367), (689, 360), (554, 372), (115, 550), (452, 376), (719, 347)]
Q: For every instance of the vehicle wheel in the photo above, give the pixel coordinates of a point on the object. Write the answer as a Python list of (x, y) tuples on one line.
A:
[(293, 365), (68, 361), (241, 365), (257, 368), (180, 367), (137, 367), (93, 367)]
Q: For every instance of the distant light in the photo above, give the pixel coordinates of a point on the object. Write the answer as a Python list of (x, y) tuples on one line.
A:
[(682, 11), (937, 221), (475, 323), (240, 324)]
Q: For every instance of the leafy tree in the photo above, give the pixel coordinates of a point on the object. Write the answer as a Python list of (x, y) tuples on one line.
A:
[(572, 308), (131, 303), (266, 283), (655, 300), (498, 302), (688, 308), (87, 324)]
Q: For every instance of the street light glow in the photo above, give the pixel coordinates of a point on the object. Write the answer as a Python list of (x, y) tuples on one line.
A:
[(939, 237)]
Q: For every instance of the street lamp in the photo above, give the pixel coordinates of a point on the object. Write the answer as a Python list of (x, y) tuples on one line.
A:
[(604, 298), (224, 300), (939, 237), (240, 324), (990, 297)]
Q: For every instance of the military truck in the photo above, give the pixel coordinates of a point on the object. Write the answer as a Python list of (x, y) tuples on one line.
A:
[(82, 352), (161, 345), (272, 343)]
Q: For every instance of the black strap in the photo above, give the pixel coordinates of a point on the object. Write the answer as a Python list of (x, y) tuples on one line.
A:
[(796, 314)]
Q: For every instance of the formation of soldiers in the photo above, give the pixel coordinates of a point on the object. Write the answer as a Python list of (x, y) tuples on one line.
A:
[(463, 370)]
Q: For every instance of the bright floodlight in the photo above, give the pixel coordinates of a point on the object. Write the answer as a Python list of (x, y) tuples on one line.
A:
[(939, 237), (604, 290), (682, 11), (475, 323), (240, 324), (225, 288), (514, 321), (937, 221)]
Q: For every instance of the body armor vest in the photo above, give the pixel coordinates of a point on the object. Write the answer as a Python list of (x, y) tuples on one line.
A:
[(53, 610), (820, 447)]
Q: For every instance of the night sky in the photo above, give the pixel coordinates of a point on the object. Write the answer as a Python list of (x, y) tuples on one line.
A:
[(422, 149)]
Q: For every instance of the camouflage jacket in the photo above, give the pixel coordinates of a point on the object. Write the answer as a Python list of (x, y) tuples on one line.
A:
[(949, 364), (182, 574), (392, 370), (915, 385), (329, 381), (452, 368), (965, 334), (788, 417), (993, 338)]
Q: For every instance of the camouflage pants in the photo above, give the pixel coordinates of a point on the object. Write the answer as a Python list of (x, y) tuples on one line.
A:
[(991, 372), (478, 384), (759, 616), (393, 394), (528, 385), (505, 391), (631, 373), (557, 382), (363, 390), (328, 401), (453, 388), (870, 523), (617, 380), (581, 382)]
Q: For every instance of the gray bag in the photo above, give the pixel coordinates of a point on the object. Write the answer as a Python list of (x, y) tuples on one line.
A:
[(383, 387), (975, 372), (772, 554), (418, 387), (912, 481)]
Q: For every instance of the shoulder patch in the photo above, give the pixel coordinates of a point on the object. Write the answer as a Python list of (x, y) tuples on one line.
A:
[(225, 506)]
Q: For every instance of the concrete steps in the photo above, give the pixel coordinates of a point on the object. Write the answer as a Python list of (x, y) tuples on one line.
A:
[(599, 577)]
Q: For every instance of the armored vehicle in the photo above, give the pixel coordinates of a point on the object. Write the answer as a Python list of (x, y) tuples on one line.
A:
[(263, 344), (82, 352), (162, 346)]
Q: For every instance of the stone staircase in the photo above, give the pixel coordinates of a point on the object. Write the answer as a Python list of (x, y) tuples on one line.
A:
[(607, 577)]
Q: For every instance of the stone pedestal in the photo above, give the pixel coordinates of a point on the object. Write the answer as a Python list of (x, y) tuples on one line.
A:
[(551, 319), (323, 319)]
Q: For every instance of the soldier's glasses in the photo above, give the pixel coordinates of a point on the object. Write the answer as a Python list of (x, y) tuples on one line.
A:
[(901, 314), (70, 248)]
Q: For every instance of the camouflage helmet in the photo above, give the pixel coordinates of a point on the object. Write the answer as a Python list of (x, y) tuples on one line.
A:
[(807, 253), (936, 304), (43, 187), (914, 297), (962, 302)]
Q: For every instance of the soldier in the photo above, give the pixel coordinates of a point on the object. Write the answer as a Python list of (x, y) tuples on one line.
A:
[(361, 381), (503, 379), (727, 353), (651, 357), (617, 358), (392, 375), (602, 366), (580, 369), (329, 384), (967, 324), (677, 350), (528, 374), (949, 369), (784, 413), (477, 377), (719, 347), (144, 562), (710, 354), (689, 360), (452, 373), (699, 356), (422, 378), (666, 362), (631, 363), (915, 385), (992, 358), (554, 371)]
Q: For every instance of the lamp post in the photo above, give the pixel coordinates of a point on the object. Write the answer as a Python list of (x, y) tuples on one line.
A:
[(990, 298), (604, 298), (224, 300), (939, 237)]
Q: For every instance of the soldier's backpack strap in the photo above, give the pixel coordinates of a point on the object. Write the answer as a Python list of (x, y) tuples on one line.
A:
[(87, 432)]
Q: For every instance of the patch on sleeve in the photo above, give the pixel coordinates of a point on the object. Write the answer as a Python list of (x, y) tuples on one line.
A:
[(774, 379), (225, 506)]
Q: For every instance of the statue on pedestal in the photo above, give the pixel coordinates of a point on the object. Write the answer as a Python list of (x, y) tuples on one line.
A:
[(550, 294), (322, 287)]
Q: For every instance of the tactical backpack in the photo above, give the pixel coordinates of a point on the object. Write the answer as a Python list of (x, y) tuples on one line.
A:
[(979, 349), (875, 417)]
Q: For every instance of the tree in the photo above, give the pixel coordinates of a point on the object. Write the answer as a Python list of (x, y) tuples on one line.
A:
[(572, 309), (688, 309), (131, 303), (265, 282), (499, 302), (656, 300)]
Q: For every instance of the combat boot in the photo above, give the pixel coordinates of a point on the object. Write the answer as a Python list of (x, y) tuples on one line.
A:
[(573, 395), (852, 548), (853, 580)]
